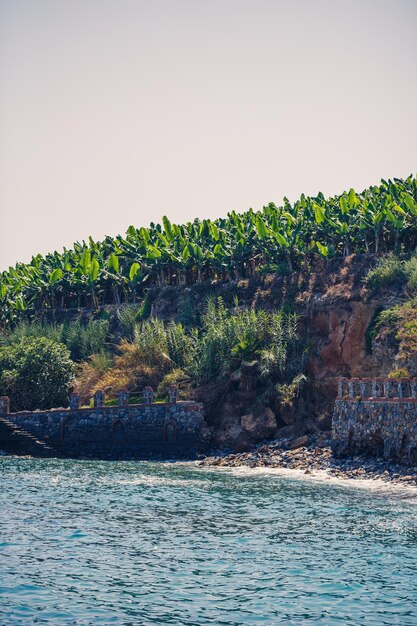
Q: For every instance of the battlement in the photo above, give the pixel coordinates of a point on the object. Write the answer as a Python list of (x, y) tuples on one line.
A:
[(377, 416), (377, 388)]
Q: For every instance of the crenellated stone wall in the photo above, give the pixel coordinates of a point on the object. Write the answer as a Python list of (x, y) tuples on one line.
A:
[(152, 430), (376, 416)]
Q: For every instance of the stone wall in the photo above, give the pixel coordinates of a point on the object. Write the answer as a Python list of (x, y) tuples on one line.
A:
[(172, 430), (378, 417)]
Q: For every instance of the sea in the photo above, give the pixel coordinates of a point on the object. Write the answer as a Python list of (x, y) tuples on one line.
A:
[(138, 543)]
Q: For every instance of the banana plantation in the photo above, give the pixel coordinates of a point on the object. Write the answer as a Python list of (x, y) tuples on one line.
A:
[(118, 270)]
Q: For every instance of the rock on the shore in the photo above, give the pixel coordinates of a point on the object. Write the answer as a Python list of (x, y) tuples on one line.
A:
[(311, 453), (299, 442), (261, 426)]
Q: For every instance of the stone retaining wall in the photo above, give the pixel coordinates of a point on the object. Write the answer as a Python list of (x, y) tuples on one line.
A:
[(172, 430), (376, 416)]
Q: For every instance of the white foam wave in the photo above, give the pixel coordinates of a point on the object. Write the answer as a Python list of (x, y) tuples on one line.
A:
[(322, 476)]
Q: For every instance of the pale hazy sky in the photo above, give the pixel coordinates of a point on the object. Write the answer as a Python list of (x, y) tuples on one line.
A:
[(115, 112)]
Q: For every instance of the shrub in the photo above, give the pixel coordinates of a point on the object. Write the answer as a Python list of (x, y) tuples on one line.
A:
[(155, 351), (81, 338), (372, 329), (388, 318), (399, 373), (165, 346), (288, 392), (35, 373), (128, 318), (410, 270), (146, 308), (232, 338), (90, 374), (179, 378), (35, 330), (389, 270), (401, 322), (85, 339), (281, 269), (188, 313)]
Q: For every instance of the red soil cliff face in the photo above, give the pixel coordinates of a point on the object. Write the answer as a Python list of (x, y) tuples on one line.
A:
[(339, 336)]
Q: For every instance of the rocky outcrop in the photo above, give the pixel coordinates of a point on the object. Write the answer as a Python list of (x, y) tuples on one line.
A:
[(262, 426)]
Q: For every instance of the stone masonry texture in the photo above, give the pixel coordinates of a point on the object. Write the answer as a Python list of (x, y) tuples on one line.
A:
[(162, 431), (377, 417)]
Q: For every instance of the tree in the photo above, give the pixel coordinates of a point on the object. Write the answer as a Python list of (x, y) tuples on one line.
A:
[(35, 373)]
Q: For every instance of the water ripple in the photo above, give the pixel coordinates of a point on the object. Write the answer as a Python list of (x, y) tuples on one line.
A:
[(91, 542)]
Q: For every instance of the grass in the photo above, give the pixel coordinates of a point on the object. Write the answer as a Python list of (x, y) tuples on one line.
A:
[(392, 270)]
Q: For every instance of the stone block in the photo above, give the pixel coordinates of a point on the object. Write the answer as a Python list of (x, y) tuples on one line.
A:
[(99, 399), (4, 405), (74, 404)]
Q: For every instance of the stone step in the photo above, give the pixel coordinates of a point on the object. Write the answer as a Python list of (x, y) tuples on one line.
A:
[(23, 441)]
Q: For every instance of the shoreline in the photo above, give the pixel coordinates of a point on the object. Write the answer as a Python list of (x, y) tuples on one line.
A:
[(308, 455)]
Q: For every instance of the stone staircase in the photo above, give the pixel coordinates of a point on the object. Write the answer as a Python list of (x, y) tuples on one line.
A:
[(18, 441)]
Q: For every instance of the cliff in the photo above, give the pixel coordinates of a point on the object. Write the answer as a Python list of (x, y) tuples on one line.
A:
[(337, 338), (337, 315)]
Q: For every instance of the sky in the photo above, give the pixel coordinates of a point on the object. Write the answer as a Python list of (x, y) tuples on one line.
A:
[(116, 112)]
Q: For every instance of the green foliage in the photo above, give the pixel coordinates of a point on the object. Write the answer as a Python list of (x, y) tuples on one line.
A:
[(179, 378), (242, 346), (401, 372), (168, 346), (389, 271), (245, 338), (188, 314), (288, 392), (372, 330), (128, 318), (389, 318), (401, 322), (145, 310), (85, 339), (35, 373), (392, 270), (380, 219), (281, 269), (82, 338), (32, 330), (410, 271)]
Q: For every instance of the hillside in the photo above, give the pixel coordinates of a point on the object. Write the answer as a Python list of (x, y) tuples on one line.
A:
[(256, 315)]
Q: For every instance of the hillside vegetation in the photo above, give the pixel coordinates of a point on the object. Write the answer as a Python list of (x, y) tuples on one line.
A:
[(256, 315), (276, 239)]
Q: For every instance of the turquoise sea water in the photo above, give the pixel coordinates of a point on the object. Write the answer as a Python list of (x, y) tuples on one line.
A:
[(91, 542)]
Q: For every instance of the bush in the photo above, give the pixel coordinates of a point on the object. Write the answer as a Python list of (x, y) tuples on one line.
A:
[(188, 313), (35, 373), (163, 346), (90, 375), (389, 270), (179, 378), (232, 338), (81, 338), (34, 330), (128, 318), (155, 351), (399, 373), (85, 339), (410, 270), (401, 322)]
